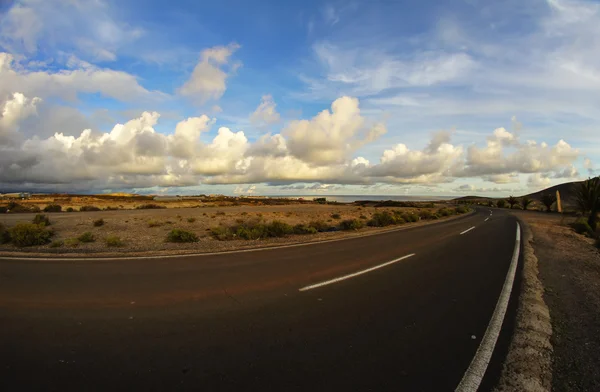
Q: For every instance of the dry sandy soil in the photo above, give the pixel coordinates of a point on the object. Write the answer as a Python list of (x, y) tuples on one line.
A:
[(569, 267), (133, 227)]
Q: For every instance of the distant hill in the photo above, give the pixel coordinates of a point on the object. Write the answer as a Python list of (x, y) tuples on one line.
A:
[(566, 193)]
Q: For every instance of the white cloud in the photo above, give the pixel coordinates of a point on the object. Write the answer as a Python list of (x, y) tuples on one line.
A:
[(367, 71), (266, 112), (538, 180), (208, 80), (319, 150), (330, 137), (90, 28), (67, 84)]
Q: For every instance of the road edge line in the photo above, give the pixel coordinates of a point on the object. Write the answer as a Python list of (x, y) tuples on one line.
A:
[(478, 366), (528, 363), (354, 274)]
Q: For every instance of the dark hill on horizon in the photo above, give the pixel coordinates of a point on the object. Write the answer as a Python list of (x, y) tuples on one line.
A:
[(566, 193)]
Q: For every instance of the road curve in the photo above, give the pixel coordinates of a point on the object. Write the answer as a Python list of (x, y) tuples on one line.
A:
[(403, 310)]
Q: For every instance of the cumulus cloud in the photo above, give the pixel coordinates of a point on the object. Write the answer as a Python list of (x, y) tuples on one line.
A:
[(208, 80), (330, 137), (522, 157), (265, 113), (321, 150)]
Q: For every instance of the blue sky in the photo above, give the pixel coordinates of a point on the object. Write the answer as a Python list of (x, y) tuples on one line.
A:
[(346, 97)]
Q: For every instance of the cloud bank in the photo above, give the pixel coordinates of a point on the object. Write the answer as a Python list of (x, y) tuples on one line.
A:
[(322, 149)]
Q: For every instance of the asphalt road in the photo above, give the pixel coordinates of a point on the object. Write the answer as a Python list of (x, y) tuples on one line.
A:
[(239, 321)]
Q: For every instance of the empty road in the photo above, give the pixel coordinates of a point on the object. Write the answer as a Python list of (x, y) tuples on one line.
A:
[(400, 311)]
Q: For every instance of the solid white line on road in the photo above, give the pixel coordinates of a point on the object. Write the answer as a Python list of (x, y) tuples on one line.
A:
[(486, 219), (466, 231), (474, 374), (314, 286)]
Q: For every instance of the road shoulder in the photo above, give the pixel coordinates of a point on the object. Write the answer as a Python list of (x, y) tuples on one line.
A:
[(570, 272), (528, 365)]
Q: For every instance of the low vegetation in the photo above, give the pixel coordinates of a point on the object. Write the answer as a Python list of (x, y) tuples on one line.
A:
[(71, 242), (581, 226), (181, 236), (87, 237), (4, 235), (587, 197), (29, 234), (41, 219), (501, 203), (525, 202), (154, 223), (191, 220), (150, 206), (99, 222), (89, 208), (351, 224), (336, 216), (57, 244), (256, 229), (113, 241), (53, 208)]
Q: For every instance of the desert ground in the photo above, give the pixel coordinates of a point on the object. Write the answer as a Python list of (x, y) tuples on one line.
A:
[(144, 231), (569, 269)]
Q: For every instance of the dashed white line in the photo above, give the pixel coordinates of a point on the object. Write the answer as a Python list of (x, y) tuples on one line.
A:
[(474, 374), (486, 219), (335, 280), (466, 231)]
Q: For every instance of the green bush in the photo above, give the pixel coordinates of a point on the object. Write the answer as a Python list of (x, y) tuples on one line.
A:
[(336, 216), (304, 229), (18, 208), (279, 229), (220, 213), (191, 220), (70, 209), (150, 206), (461, 210), (425, 214), (221, 233), (41, 219), (382, 219), (445, 212), (363, 217), (253, 230), (581, 226), (57, 244), (4, 235), (3, 209), (351, 224), (180, 235), (501, 203), (113, 241), (87, 237), (71, 242), (89, 208), (319, 225), (410, 217), (99, 222), (29, 234), (53, 208), (154, 223)]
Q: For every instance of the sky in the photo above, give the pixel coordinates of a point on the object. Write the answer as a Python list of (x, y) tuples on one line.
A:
[(296, 98)]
